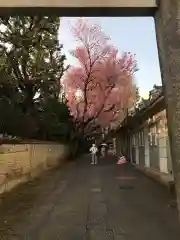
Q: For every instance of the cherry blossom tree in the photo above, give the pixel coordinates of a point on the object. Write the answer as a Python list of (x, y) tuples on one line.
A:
[(100, 87)]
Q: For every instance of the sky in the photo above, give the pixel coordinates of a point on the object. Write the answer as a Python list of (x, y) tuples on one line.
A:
[(129, 34)]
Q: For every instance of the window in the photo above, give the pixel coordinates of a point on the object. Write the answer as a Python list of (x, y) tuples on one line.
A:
[(133, 140), (141, 138), (153, 136), (155, 139), (150, 139), (114, 142)]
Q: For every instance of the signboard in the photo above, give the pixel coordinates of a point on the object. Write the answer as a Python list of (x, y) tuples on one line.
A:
[(79, 3)]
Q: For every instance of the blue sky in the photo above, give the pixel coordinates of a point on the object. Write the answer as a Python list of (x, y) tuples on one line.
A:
[(134, 34)]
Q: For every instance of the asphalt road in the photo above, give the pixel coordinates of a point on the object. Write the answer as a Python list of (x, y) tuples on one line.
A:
[(92, 202)]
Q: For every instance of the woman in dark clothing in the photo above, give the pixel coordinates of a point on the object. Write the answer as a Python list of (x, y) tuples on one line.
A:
[(99, 152)]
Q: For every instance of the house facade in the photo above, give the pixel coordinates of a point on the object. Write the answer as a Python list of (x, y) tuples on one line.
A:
[(143, 135)]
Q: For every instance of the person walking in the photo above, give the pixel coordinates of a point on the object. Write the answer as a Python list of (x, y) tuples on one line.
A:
[(93, 151), (103, 149), (99, 152)]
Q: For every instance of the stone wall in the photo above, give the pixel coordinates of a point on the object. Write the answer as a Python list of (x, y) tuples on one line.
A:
[(22, 162)]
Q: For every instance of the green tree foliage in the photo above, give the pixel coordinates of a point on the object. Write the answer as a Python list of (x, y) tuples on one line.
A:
[(31, 66), (55, 120)]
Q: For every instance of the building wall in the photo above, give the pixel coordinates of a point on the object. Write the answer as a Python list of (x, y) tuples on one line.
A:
[(136, 147), (133, 154), (154, 146), (149, 145), (146, 146), (120, 144), (132, 149), (165, 156), (164, 150), (141, 149), (22, 162)]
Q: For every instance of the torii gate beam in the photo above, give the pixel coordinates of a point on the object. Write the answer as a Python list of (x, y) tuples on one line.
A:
[(65, 8)]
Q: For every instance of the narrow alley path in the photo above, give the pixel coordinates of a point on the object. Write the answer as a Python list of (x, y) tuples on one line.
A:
[(90, 202)]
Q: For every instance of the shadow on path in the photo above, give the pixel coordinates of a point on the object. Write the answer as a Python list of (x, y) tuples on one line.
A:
[(90, 202)]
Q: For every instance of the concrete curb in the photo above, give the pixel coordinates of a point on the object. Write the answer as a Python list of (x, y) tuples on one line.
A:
[(158, 177)]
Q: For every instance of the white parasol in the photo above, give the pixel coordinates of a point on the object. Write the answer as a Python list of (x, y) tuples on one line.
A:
[(104, 144)]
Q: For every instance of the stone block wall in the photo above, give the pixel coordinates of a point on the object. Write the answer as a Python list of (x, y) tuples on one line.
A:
[(22, 162)]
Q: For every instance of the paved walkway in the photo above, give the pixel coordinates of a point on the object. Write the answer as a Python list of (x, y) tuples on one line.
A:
[(90, 202)]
